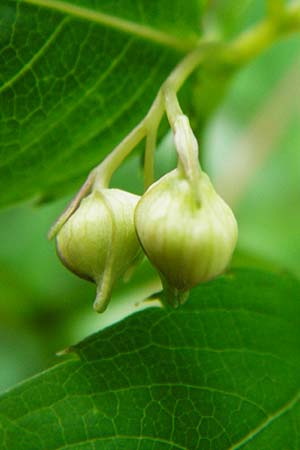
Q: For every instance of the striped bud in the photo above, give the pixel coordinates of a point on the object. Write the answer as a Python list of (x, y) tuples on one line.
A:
[(98, 242), (187, 231)]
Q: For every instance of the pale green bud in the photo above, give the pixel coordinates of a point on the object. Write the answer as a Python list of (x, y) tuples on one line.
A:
[(189, 238), (98, 242)]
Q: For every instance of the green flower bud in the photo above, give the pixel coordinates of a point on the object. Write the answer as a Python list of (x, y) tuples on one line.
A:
[(189, 237), (98, 242)]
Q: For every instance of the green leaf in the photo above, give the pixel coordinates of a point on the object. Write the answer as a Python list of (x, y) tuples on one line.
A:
[(76, 77), (222, 372)]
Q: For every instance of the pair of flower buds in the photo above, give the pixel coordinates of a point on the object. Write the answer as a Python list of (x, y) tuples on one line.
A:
[(188, 238)]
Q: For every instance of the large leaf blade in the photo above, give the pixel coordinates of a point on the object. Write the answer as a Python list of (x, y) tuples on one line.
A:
[(221, 372), (72, 85)]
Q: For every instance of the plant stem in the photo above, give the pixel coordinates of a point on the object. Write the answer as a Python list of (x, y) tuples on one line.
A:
[(185, 141), (149, 157), (173, 108), (105, 170), (254, 41), (153, 120), (149, 125), (239, 52), (84, 190)]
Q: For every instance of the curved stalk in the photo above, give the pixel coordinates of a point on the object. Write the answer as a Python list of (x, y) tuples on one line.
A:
[(237, 53)]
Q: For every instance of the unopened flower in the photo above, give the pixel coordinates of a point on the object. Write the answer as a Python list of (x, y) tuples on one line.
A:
[(188, 236), (98, 242)]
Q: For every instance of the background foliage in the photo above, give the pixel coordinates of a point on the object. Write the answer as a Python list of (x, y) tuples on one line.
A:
[(70, 89)]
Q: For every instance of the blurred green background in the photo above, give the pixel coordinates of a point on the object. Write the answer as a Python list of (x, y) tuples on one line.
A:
[(249, 147)]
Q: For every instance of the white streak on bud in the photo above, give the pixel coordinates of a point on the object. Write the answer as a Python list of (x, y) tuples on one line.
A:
[(99, 242), (187, 241), (186, 144)]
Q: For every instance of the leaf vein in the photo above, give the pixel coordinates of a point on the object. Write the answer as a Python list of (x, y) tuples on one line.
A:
[(26, 67), (71, 109), (117, 23), (122, 110), (120, 436), (270, 419)]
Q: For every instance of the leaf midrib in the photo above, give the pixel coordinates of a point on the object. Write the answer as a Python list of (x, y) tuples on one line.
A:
[(117, 23), (270, 419)]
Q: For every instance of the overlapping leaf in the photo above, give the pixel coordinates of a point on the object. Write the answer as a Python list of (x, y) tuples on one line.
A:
[(220, 373)]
